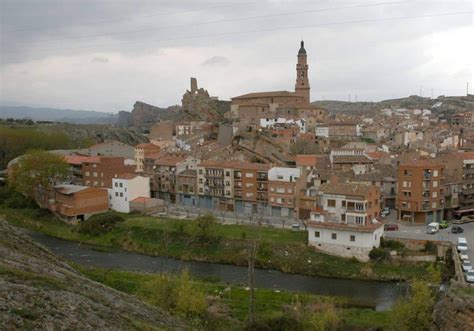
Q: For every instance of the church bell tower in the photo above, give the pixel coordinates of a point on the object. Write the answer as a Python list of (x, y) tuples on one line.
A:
[(302, 81)]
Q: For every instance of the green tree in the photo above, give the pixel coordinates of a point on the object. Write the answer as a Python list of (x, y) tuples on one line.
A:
[(203, 229), (35, 169), (190, 301), (414, 313)]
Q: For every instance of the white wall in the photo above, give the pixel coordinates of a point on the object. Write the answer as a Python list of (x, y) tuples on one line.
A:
[(125, 190), (284, 174)]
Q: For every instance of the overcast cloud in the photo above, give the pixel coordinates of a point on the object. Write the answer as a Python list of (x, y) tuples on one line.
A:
[(105, 55)]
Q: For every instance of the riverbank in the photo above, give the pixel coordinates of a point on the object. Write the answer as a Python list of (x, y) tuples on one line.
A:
[(279, 249), (228, 305)]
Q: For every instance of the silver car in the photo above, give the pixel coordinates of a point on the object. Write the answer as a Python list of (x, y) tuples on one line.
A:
[(466, 266)]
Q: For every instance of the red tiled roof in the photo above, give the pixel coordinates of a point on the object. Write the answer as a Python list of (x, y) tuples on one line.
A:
[(347, 227), (79, 159), (141, 199), (169, 161), (236, 165), (307, 160), (127, 176), (266, 95), (376, 155)]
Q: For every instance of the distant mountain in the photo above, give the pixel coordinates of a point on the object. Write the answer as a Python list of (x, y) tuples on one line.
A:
[(57, 115)]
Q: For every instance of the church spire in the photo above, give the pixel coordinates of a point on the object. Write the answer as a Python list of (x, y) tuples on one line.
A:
[(302, 81)]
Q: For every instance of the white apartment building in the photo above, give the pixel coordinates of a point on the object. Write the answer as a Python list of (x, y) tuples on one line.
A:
[(345, 223), (126, 188), (271, 122)]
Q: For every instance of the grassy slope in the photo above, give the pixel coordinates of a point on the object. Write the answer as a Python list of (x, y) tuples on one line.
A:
[(279, 249)]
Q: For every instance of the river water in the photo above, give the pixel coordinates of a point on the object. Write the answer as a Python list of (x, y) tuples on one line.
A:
[(380, 295)]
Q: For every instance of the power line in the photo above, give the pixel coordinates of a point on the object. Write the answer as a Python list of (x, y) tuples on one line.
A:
[(261, 30), (222, 21), (142, 16)]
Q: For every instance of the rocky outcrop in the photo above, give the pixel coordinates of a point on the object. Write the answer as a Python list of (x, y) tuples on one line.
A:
[(38, 290), (455, 311), (198, 105)]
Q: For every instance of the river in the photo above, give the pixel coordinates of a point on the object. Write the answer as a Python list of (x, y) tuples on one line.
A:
[(381, 295)]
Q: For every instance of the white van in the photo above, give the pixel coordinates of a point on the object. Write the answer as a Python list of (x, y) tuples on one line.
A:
[(432, 228), (462, 244)]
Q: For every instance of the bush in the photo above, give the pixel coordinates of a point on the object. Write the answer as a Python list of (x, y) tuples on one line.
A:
[(392, 244), (100, 224), (204, 228), (430, 247), (16, 200), (379, 254)]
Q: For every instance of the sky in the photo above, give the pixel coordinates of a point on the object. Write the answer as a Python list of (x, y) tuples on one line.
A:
[(104, 55)]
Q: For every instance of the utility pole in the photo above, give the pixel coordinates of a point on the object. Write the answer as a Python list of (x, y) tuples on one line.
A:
[(252, 255)]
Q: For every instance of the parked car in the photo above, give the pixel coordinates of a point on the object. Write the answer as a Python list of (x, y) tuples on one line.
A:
[(390, 227), (457, 229), (385, 212), (443, 224), (462, 244), (466, 265), (295, 226), (470, 276), (463, 256), (432, 228)]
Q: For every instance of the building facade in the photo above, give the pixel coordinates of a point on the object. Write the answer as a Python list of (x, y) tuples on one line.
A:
[(420, 191), (126, 188)]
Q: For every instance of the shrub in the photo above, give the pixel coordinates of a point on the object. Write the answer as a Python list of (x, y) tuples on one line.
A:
[(393, 245), (379, 254), (100, 224), (204, 228), (430, 247), (16, 200)]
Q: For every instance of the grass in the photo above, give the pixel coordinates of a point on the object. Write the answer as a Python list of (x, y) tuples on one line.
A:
[(279, 249), (268, 303)]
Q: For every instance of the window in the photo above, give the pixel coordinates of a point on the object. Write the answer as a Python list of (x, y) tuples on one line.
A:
[(227, 173), (116, 184), (121, 194), (201, 190), (406, 193), (343, 203), (249, 195), (249, 174), (317, 234), (407, 172), (352, 237), (200, 180), (359, 219), (343, 217), (404, 184), (200, 171), (435, 183), (290, 190), (116, 194), (331, 203), (333, 236), (435, 173), (121, 184), (280, 177), (434, 194), (87, 173), (434, 205), (280, 190), (248, 184), (95, 174)]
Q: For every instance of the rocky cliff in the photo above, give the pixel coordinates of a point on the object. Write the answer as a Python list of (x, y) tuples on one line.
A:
[(455, 311), (38, 290)]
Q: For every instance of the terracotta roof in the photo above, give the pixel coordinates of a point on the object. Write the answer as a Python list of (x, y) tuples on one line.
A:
[(351, 159), (169, 161), (127, 176), (141, 200), (345, 189), (266, 95), (376, 155), (147, 146), (78, 159), (236, 165), (188, 172), (346, 227), (69, 189), (308, 160), (422, 163)]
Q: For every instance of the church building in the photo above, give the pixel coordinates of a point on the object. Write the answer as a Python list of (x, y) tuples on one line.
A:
[(250, 108)]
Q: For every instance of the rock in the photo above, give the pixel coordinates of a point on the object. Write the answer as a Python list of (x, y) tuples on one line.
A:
[(38, 290)]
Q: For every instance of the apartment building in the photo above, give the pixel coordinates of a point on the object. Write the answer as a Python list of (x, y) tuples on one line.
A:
[(421, 191), (282, 190), (186, 188), (98, 171), (164, 174), (467, 182), (126, 188), (345, 220), (233, 186), (143, 151)]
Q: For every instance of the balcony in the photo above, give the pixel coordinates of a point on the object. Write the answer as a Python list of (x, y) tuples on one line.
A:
[(262, 187)]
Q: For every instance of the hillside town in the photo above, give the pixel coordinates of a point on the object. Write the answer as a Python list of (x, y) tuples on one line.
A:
[(275, 158)]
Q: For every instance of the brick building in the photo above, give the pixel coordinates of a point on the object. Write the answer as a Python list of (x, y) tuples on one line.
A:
[(143, 151), (98, 171), (421, 191)]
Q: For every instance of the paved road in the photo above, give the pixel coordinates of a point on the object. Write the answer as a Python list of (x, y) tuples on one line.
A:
[(415, 231)]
